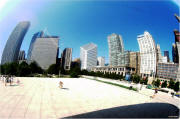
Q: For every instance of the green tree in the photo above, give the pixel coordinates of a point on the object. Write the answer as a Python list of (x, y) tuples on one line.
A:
[(157, 83), (10, 68), (171, 84), (76, 69), (53, 69), (144, 81), (23, 69), (35, 68), (164, 84), (74, 74), (136, 78), (84, 72), (2, 69), (176, 87), (99, 74)]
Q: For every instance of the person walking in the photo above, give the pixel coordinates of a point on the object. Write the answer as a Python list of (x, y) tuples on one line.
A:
[(10, 80), (6, 80), (61, 84), (155, 93)]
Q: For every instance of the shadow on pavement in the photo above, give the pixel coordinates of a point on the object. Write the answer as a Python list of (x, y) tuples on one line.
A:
[(14, 85), (65, 88), (145, 110)]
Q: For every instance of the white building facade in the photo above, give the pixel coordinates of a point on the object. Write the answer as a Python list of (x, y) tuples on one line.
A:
[(147, 53), (88, 56), (101, 61)]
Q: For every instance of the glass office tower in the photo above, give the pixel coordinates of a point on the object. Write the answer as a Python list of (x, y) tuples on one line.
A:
[(13, 44), (116, 47), (88, 56), (43, 50)]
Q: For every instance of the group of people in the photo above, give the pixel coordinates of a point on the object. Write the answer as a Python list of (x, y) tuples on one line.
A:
[(9, 79)]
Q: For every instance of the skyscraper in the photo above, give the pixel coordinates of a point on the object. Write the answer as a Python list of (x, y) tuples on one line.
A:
[(44, 50), (159, 56), (135, 61), (36, 35), (124, 58), (21, 55), (175, 51), (116, 46), (177, 36), (148, 54), (178, 50), (166, 54), (101, 61), (13, 44), (88, 56), (66, 58), (175, 55)]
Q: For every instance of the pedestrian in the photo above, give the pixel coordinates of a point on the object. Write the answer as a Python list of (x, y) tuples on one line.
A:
[(172, 93), (61, 84), (155, 92), (6, 80), (139, 86), (10, 80), (1, 77)]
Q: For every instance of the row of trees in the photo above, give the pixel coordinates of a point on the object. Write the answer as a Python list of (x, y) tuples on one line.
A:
[(171, 84), (20, 69), (24, 69), (134, 78)]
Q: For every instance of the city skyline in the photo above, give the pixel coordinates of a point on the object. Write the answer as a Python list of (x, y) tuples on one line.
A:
[(122, 18)]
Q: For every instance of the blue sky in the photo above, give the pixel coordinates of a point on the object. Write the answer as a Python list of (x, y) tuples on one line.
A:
[(78, 22)]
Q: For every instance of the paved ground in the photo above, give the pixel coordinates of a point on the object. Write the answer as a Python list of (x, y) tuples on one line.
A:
[(161, 97), (41, 98)]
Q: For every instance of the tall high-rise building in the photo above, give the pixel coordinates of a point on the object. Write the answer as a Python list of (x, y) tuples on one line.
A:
[(101, 61), (148, 54), (116, 46), (66, 58), (177, 36), (88, 56), (178, 50), (166, 54), (36, 35), (124, 58), (159, 56), (175, 55), (13, 44), (21, 55), (44, 50), (135, 61), (175, 51)]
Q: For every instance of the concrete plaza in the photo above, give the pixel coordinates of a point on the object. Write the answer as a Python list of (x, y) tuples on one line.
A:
[(41, 98)]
